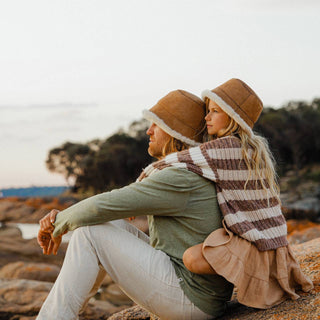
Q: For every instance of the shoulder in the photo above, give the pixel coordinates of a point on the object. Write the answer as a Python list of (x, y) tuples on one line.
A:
[(171, 175), (178, 177), (223, 143)]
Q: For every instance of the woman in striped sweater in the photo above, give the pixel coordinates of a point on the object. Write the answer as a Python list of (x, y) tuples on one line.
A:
[(251, 251)]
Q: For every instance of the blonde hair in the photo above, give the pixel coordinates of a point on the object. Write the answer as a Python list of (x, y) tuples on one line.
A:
[(173, 145), (256, 154)]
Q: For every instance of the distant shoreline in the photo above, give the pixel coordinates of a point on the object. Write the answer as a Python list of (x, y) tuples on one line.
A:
[(46, 191)]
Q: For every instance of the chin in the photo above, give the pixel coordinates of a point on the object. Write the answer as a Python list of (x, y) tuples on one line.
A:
[(155, 154), (151, 152)]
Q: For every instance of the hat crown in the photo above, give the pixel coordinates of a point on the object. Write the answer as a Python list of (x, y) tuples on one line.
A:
[(238, 100), (181, 114), (242, 99)]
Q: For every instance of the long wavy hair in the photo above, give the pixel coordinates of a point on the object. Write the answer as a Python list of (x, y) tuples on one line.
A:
[(256, 154)]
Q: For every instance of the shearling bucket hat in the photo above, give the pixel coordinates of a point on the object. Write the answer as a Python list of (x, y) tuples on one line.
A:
[(238, 100), (181, 115)]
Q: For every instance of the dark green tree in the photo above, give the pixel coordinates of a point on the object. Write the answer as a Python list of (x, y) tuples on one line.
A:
[(102, 165)]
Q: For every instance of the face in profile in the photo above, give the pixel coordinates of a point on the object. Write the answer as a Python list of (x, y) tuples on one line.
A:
[(157, 140), (217, 120)]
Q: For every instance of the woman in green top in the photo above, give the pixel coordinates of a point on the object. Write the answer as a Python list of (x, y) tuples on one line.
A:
[(182, 210)]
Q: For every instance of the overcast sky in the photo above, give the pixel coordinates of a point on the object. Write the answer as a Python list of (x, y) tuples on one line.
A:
[(78, 70)]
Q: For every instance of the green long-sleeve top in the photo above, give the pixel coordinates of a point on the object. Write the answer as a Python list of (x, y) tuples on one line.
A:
[(182, 211)]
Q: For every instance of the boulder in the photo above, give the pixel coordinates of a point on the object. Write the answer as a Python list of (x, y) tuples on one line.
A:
[(22, 299), (299, 213), (35, 216), (302, 230), (106, 281), (14, 211), (115, 295), (307, 203), (8, 231), (308, 234), (135, 312), (299, 225), (18, 249), (29, 270), (30, 210), (306, 307), (101, 310)]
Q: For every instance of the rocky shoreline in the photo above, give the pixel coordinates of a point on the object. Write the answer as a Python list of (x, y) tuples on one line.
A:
[(26, 275)]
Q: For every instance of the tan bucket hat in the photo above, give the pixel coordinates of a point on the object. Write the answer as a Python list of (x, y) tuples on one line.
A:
[(181, 115), (238, 100)]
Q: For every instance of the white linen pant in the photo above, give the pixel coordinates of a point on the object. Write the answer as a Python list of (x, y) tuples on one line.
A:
[(145, 274)]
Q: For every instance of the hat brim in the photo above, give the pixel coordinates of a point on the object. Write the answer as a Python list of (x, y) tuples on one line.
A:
[(147, 114)]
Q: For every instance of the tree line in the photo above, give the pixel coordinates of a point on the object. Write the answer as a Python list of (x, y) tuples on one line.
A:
[(293, 133)]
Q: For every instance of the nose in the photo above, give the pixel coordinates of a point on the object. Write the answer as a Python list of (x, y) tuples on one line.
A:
[(207, 117), (150, 130)]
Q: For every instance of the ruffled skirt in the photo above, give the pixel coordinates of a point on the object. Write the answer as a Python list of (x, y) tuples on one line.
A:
[(262, 278)]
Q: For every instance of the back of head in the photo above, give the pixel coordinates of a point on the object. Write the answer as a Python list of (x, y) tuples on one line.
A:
[(181, 115)]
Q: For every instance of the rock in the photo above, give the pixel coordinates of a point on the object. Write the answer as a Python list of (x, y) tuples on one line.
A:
[(115, 295), (8, 231), (300, 214), (18, 249), (135, 312), (306, 208), (35, 216), (31, 271), (307, 203), (14, 211), (106, 281), (6, 205), (30, 210), (302, 230), (308, 234), (22, 299), (299, 225), (97, 309), (306, 307)]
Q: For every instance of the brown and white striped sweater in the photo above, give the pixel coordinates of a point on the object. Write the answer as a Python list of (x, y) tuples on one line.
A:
[(250, 212)]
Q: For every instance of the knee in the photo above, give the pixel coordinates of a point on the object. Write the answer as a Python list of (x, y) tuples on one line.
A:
[(78, 233)]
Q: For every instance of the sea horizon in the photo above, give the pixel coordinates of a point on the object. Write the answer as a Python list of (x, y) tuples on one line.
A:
[(33, 191)]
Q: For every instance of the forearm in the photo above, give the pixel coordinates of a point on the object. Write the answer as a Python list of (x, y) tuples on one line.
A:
[(94, 210)]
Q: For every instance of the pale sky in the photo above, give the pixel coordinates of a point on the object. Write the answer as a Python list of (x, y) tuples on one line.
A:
[(77, 70)]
